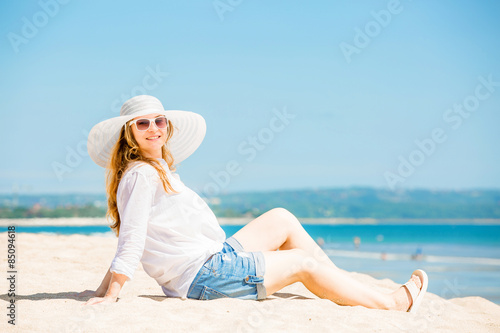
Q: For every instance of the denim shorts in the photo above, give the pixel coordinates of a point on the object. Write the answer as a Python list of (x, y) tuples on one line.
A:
[(232, 272)]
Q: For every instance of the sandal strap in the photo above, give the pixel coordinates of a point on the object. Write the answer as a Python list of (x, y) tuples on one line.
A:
[(413, 289)]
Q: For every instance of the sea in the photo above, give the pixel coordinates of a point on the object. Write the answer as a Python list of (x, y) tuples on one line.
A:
[(461, 260)]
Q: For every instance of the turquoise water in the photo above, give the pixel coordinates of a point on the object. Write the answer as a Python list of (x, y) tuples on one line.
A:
[(461, 260)]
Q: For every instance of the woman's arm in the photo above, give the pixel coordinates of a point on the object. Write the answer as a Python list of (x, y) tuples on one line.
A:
[(115, 286), (101, 291), (134, 205)]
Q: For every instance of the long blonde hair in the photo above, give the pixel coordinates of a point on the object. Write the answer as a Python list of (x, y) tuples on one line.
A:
[(125, 151)]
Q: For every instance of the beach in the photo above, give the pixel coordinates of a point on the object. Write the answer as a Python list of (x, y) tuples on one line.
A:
[(52, 268)]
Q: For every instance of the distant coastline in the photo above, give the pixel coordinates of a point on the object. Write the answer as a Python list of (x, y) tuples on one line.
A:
[(82, 221), (320, 206)]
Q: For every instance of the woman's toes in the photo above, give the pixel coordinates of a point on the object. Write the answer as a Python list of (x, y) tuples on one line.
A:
[(404, 300), (417, 281)]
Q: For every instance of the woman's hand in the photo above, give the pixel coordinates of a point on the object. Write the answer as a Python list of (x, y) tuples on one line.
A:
[(110, 295), (98, 300)]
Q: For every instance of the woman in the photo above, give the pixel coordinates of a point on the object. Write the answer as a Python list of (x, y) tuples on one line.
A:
[(169, 229)]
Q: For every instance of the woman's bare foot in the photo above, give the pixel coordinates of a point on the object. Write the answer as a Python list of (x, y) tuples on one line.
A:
[(402, 296)]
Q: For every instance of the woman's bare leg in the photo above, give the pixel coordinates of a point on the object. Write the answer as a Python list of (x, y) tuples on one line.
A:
[(278, 229), (300, 259), (289, 266)]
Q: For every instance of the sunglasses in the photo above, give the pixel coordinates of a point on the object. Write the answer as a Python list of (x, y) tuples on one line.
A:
[(143, 124)]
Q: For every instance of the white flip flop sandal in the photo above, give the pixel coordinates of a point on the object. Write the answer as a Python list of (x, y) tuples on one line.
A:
[(417, 294)]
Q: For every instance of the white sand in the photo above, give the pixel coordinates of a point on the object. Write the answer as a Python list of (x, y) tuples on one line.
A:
[(52, 268)]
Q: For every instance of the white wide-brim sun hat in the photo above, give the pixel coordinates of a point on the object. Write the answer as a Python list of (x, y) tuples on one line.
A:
[(189, 129)]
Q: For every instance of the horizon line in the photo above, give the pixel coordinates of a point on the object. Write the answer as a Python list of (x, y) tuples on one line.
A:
[(356, 187)]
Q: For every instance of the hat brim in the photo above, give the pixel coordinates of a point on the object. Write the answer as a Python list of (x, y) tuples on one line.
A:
[(189, 131)]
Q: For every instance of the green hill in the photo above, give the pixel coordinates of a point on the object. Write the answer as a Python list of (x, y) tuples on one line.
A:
[(318, 203)]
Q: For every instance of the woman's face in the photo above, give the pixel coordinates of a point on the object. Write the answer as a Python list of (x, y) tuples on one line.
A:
[(151, 140)]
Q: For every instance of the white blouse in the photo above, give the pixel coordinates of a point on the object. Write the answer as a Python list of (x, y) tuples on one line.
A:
[(171, 234)]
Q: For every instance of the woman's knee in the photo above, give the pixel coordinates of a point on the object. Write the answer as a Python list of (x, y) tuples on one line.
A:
[(304, 265), (284, 215)]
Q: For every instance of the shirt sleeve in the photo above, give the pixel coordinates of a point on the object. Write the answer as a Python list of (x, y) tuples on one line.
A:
[(134, 201)]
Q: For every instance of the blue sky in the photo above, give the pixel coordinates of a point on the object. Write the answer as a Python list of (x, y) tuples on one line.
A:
[(372, 90)]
